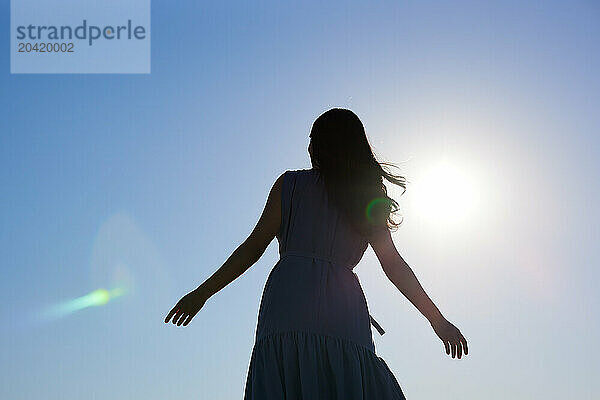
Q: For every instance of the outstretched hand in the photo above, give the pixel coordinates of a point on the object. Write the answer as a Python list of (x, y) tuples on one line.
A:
[(186, 308), (453, 340)]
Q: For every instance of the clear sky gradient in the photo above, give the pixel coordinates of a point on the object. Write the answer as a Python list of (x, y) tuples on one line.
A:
[(153, 180)]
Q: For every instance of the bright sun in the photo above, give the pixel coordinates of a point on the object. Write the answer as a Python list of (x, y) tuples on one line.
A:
[(446, 195)]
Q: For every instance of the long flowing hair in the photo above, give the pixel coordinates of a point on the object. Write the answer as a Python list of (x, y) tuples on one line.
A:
[(353, 176)]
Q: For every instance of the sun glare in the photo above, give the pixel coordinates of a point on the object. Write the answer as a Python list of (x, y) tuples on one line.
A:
[(446, 195)]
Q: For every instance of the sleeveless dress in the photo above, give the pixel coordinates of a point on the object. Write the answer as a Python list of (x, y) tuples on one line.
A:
[(313, 338)]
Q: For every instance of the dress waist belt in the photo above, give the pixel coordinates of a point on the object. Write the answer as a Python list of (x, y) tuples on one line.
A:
[(323, 258)]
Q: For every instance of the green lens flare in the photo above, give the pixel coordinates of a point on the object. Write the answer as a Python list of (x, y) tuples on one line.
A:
[(98, 297), (372, 204)]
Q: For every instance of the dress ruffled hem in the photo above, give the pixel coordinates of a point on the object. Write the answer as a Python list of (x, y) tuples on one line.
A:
[(297, 365)]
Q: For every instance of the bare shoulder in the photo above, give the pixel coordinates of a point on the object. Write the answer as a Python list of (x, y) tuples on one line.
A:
[(382, 245), (269, 221), (278, 185)]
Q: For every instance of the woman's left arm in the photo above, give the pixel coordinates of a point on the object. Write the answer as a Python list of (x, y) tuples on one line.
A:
[(238, 262)]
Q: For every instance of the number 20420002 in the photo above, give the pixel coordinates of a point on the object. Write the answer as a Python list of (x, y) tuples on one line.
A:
[(46, 47)]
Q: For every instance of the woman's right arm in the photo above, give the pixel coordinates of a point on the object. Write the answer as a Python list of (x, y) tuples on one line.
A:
[(403, 277)]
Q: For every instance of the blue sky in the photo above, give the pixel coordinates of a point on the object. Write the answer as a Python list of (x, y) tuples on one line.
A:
[(155, 179)]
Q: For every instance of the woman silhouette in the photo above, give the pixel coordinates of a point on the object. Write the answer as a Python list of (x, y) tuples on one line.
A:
[(313, 338)]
